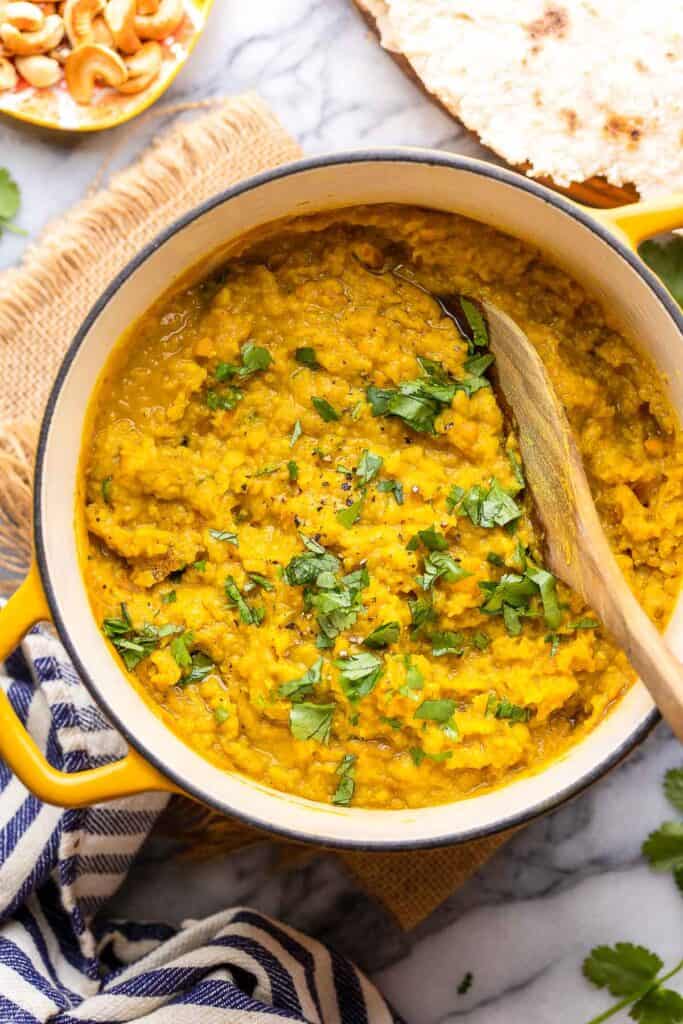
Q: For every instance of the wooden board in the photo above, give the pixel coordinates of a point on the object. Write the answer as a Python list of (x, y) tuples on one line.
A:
[(593, 192)]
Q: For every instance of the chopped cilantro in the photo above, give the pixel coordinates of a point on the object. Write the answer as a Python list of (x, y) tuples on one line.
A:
[(170, 597), (481, 640), (435, 710), (226, 399), (296, 434), (305, 568), (394, 487), (384, 635), (447, 642), (346, 770), (455, 496), (292, 471), (368, 467), (201, 666), (9, 202), (349, 516), (257, 580), (546, 584), (359, 674), (440, 565), (200, 565), (476, 321), (106, 490), (302, 687), (225, 535), (673, 787), (249, 616), (306, 357), (517, 470), (505, 709), (221, 714), (325, 410), (487, 507), (431, 539), (311, 721), (393, 723), (135, 645), (418, 755), (180, 649), (421, 613), (414, 679)]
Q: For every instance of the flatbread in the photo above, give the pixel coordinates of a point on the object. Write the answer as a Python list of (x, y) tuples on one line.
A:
[(569, 90)]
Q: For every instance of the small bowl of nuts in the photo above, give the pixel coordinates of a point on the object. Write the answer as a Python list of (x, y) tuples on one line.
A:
[(83, 65)]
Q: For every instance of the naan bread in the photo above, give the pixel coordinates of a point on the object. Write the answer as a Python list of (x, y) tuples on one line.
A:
[(567, 89)]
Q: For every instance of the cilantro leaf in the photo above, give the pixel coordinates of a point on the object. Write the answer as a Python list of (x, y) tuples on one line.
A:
[(418, 755), (488, 507), (226, 535), (475, 318), (666, 259), (368, 467), (311, 721), (440, 565), (394, 487), (249, 616), (325, 410), (431, 539), (292, 471), (224, 400), (384, 635), (9, 200), (254, 358), (346, 769), (180, 649), (296, 434), (359, 674), (200, 667), (305, 568), (349, 516), (435, 710), (106, 490), (257, 580), (659, 1006), (673, 787), (447, 642), (170, 597), (623, 969), (505, 709), (664, 848), (299, 688), (421, 613), (547, 586), (306, 357)]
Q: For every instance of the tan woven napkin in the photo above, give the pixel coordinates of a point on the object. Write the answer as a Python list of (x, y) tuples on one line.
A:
[(42, 304)]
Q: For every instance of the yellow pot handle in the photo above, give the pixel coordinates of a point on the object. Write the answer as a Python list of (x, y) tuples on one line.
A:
[(634, 223), (132, 774)]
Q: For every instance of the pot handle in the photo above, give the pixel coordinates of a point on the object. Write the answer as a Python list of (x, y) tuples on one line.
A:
[(131, 774), (634, 223)]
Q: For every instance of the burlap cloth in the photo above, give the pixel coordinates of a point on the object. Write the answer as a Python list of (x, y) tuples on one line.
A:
[(43, 302)]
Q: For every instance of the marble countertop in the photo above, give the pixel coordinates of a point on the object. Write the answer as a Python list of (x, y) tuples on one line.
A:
[(567, 882)]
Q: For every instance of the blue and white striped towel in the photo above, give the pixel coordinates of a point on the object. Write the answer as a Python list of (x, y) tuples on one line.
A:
[(58, 868)]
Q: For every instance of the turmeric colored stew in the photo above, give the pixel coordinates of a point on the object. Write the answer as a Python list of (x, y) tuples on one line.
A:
[(308, 535)]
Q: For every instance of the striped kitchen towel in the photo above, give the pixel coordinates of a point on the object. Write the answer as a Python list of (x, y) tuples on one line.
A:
[(60, 963)]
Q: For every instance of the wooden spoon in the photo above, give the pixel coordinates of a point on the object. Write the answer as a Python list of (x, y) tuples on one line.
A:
[(576, 547)]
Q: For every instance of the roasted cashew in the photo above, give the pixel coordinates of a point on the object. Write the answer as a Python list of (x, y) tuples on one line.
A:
[(39, 71), (8, 74), (89, 64), (25, 16), (143, 68), (26, 44), (120, 17), (60, 53), (161, 24), (79, 16), (101, 33)]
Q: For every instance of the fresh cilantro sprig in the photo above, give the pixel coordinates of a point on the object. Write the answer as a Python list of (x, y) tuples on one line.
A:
[(665, 257), (664, 847), (632, 975), (10, 200)]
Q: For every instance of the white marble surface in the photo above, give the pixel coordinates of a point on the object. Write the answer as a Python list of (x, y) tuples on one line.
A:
[(574, 879)]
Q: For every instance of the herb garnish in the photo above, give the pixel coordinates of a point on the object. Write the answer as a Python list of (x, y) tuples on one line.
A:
[(9, 202), (384, 635), (325, 410), (337, 602), (505, 709), (170, 597), (255, 579), (447, 642), (302, 687), (394, 487), (311, 721), (292, 471), (359, 674), (440, 565), (435, 710), (226, 535), (349, 516), (296, 434), (511, 596), (665, 257), (254, 358), (632, 974), (431, 539), (221, 714), (225, 400), (418, 402), (197, 664), (664, 848), (421, 613), (485, 507), (368, 467), (249, 616), (414, 679), (418, 755), (307, 357), (346, 769), (135, 645), (106, 490)]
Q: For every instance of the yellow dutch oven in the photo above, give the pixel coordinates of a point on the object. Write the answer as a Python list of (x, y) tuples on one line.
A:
[(598, 249)]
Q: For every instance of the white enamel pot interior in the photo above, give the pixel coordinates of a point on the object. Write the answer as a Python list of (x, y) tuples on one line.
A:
[(500, 198)]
